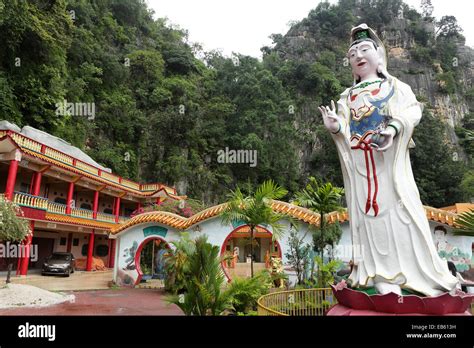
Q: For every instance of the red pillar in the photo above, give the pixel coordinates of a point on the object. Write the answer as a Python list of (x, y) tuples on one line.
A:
[(90, 251), (11, 180), (117, 209), (112, 253), (139, 205), (69, 242), (69, 198), (37, 184), (35, 190), (95, 206), (26, 245)]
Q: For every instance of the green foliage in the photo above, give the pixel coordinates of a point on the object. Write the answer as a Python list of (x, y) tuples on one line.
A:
[(255, 209), (329, 235), (322, 198), (446, 82), (244, 292), (448, 27), (162, 114), (186, 208), (467, 186), (422, 54), (326, 272), (437, 175), (203, 281), (465, 223), (465, 133), (177, 264), (13, 228), (297, 255)]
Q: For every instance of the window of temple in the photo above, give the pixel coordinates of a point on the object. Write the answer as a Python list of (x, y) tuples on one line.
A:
[(25, 188), (86, 206), (60, 200)]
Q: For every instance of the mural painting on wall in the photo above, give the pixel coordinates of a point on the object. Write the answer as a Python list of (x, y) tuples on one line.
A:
[(127, 274), (450, 252)]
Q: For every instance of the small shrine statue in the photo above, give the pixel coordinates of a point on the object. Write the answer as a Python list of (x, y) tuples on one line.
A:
[(277, 270), (372, 128)]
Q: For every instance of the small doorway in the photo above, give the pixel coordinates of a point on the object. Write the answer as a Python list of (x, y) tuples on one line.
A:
[(151, 261)]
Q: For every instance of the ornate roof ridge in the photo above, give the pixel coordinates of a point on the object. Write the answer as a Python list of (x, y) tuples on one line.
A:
[(300, 213)]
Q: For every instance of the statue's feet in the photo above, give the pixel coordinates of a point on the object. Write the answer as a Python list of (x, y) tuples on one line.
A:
[(385, 288)]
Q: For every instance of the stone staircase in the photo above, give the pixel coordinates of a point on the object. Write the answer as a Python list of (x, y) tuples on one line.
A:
[(242, 270), (151, 284)]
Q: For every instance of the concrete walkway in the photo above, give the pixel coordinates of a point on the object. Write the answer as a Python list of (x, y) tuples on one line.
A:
[(77, 281), (124, 301)]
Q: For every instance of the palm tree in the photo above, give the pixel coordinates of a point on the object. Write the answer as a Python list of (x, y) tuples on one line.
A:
[(255, 209), (322, 198), (465, 222)]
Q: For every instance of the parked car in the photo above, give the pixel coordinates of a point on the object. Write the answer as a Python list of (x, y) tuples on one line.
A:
[(59, 263)]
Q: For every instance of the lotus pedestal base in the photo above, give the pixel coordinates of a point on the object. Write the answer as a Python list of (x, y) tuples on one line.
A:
[(356, 302)]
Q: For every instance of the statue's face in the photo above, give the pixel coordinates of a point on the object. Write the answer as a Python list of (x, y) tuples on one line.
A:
[(364, 59)]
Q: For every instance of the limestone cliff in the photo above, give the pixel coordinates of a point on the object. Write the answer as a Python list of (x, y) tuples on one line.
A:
[(411, 41)]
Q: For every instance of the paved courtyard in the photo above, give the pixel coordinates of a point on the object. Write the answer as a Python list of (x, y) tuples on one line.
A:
[(122, 301), (77, 281)]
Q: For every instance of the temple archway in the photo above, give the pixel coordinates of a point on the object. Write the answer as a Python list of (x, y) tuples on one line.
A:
[(152, 248), (237, 246)]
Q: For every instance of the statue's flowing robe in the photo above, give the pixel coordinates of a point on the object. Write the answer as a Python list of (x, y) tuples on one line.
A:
[(396, 245)]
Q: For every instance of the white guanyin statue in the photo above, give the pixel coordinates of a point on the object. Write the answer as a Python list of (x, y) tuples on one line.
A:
[(372, 128)]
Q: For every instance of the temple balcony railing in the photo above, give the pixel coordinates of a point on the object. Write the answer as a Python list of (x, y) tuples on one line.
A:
[(26, 200), (82, 213), (57, 208), (106, 217), (45, 152), (36, 202), (299, 302)]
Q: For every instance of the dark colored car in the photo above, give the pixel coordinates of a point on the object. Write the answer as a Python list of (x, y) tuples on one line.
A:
[(59, 263)]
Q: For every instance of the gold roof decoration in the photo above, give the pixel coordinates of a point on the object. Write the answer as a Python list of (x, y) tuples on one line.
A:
[(300, 213)]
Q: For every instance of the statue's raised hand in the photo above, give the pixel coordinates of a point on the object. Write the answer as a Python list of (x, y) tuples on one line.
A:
[(331, 120)]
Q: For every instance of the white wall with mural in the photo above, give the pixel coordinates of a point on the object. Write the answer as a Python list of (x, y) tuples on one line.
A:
[(129, 242)]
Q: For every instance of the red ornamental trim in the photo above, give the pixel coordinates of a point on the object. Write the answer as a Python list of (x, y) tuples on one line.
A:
[(33, 213), (364, 145)]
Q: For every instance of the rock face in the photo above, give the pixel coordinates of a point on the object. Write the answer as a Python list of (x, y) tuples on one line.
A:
[(306, 40)]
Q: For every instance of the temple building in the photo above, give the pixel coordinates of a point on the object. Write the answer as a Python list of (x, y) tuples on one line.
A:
[(71, 201), (76, 205)]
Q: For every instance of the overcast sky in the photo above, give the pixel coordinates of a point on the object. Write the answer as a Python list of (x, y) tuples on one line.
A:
[(243, 26)]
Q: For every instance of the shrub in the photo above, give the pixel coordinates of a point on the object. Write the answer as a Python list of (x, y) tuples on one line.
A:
[(244, 292)]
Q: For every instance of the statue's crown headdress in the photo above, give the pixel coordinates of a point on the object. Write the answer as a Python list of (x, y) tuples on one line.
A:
[(364, 33)]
